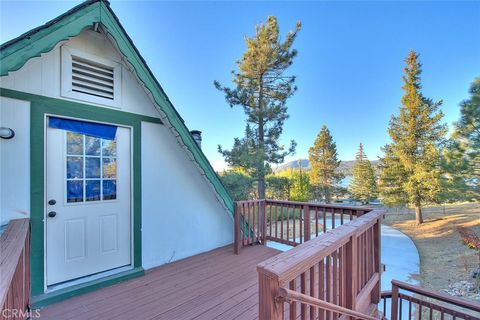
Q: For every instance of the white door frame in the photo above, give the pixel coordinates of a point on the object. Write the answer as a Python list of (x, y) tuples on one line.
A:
[(45, 209)]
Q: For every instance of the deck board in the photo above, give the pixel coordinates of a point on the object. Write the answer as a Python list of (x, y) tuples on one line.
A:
[(213, 285)]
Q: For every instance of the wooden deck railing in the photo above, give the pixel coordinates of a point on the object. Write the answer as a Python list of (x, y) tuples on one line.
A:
[(340, 267), (15, 270), (408, 301), (287, 222)]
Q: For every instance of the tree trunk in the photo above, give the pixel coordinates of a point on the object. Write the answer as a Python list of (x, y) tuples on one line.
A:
[(261, 142), (418, 214), (261, 165), (261, 188)]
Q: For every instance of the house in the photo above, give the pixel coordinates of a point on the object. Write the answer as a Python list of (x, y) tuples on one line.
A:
[(101, 162), (112, 211)]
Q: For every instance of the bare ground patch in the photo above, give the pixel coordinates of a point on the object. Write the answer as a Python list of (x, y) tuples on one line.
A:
[(444, 259)]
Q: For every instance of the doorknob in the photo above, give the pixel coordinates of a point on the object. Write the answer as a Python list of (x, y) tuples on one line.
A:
[(52, 214), (52, 202)]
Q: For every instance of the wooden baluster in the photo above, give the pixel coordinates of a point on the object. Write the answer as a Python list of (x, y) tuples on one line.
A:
[(328, 286), (341, 282), (303, 289), (409, 309), (333, 218), (324, 220), (335, 281), (293, 304), (276, 222), (270, 220), (306, 223), (316, 221), (351, 214), (341, 216), (288, 223), (294, 218), (281, 225), (420, 305), (301, 225), (313, 292), (399, 308), (321, 287)]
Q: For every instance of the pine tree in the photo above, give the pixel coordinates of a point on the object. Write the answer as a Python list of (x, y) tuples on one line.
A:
[(461, 158), (363, 186), (262, 88), (411, 166), (324, 177)]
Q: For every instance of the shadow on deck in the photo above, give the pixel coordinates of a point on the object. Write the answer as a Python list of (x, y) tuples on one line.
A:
[(213, 285)]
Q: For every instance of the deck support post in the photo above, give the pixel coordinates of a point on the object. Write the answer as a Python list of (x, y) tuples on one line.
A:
[(236, 227), (394, 306), (270, 306), (376, 292), (306, 223)]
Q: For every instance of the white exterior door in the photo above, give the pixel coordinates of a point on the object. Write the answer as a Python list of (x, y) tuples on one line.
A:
[(88, 204)]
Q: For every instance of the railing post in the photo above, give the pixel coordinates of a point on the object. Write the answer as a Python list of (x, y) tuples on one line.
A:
[(263, 219), (270, 307), (394, 304), (306, 223), (236, 227), (352, 272), (376, 293)]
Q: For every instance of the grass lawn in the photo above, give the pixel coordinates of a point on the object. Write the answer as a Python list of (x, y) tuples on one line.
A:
[(444, 259)]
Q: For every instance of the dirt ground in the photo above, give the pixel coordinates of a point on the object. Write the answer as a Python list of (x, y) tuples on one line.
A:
[(444, 260)]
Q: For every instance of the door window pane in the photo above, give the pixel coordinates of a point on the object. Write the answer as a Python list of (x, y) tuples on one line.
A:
[(92, 167), (74, 143), (74, 167), (109, 168), (109, 148), (91, 173), (74, 191), (92, 146), (109, 189), (92, 190)]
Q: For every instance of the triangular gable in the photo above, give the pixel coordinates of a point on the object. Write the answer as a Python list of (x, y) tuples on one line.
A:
[(15, 53)]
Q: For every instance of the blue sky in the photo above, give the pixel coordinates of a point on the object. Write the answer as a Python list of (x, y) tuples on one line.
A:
[(348, 69)]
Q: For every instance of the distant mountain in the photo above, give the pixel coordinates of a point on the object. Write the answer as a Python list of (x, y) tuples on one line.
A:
[(345, 166)]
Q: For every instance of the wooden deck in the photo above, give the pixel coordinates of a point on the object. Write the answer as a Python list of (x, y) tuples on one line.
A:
[(213, 285)]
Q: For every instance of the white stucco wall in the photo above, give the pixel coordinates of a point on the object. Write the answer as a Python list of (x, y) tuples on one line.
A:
[(15, 161), (180, 214)]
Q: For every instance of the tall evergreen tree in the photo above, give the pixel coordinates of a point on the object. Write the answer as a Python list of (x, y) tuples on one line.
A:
[(461, 158), (324, 163), (411, 164), (262, 87), (363, 186)]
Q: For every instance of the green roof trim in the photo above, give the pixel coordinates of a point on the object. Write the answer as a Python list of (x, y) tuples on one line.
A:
[(15, 53)]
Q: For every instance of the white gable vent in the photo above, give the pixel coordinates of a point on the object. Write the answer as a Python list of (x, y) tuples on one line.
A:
[(90, 78)]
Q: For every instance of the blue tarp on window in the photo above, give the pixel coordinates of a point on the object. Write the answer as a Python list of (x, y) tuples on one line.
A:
[(99, 130)]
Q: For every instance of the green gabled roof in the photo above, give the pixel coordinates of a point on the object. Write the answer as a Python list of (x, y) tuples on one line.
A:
[(15, 53)]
